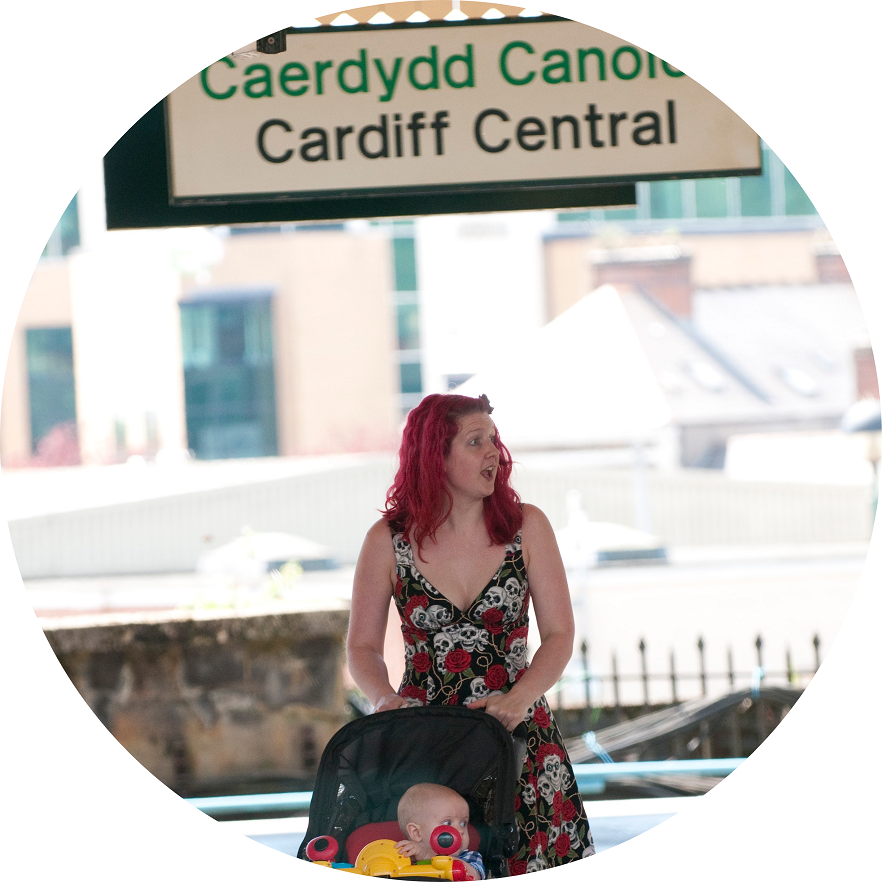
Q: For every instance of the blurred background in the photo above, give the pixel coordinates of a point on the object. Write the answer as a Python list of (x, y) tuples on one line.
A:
[(199, 425)]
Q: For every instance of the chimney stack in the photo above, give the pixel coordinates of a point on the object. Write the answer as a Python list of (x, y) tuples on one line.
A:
[(829, 263), (663, 271)]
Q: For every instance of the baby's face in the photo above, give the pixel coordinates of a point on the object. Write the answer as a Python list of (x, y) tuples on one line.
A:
[(452, 811)]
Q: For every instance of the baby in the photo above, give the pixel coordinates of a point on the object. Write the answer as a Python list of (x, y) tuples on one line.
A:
[(427, 806)]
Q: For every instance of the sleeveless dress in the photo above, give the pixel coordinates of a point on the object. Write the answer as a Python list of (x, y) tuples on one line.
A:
[(455, 656)]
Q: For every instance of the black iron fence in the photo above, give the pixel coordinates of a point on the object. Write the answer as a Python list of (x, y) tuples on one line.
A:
[(758, 676)]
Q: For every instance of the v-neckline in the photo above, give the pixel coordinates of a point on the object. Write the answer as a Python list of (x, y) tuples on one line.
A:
[(481, 593)]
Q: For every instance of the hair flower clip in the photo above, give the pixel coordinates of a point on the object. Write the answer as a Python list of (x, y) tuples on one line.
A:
[(486, 402)]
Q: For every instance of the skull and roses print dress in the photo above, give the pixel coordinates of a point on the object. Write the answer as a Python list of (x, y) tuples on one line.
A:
[(455, 656)]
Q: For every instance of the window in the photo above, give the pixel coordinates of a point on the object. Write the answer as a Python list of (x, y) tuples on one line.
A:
[(66, 234), (773, 194), (796, 200), (50, 380), (710, 197), (411, 374), (229, 382), (665, 199), (756, 192), (408, 325), (406, 303), (404, 256)]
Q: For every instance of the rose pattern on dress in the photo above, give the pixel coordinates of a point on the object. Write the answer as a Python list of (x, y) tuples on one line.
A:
[(455, 656)]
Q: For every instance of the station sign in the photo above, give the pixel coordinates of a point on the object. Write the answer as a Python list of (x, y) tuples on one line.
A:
[(437, 117)]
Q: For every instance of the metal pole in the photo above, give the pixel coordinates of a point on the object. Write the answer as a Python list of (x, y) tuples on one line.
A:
[(673, 679), (642, 647), (583, 650), (615, 677), (816, 642), (702, 666)]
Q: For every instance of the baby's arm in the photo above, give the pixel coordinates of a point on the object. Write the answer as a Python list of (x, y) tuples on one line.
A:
[(471, 872)]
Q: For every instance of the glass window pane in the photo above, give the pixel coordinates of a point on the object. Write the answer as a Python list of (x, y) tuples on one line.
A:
[(710, 197), (573, 216), (50, 380), (229, 384), (408, 321), (259, 333), (404, 256), (197, 335), (231, 334), (620, 214), (796, 200), (411, 376), (756, 190), (69, 226), (665, 199)]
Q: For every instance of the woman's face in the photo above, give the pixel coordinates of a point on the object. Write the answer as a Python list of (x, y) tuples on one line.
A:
[(473, 461)]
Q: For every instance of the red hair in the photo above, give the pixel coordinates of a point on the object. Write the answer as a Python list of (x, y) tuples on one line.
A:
[(415, 503)]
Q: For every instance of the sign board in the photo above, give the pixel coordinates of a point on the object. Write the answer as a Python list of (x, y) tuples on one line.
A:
[(448, 105), (420, 119)]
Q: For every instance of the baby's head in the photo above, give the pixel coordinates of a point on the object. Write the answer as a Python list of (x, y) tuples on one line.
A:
[(427, 806)]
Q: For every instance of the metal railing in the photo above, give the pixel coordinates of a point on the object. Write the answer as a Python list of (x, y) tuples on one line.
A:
[(591, 778), (758, 676)]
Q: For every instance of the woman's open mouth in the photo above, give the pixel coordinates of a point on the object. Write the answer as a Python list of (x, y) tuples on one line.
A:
[(488, 472)]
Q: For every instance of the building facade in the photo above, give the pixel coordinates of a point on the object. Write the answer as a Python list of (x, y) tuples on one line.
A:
[(318, 338)]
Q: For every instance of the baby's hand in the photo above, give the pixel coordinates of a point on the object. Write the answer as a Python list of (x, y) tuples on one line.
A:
[(406, 848)]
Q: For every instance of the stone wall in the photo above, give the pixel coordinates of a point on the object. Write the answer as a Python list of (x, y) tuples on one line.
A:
[(213, 702)]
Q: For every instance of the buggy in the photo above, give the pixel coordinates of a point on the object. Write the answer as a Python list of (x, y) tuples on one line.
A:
[(369, 764)]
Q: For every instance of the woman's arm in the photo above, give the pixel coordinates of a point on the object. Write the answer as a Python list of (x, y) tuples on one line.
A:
[(553, 616), (371, 591)]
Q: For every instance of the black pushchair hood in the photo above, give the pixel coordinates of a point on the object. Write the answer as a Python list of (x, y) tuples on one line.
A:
[(370, 762)]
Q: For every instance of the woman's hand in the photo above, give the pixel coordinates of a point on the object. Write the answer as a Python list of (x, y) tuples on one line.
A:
[(389, 702), (509, 708)]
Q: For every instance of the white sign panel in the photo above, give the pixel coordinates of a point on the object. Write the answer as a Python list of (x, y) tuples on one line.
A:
[(471, 105)]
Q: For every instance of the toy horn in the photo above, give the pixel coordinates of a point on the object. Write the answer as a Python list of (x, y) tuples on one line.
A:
[(445, 840), (322, 848)]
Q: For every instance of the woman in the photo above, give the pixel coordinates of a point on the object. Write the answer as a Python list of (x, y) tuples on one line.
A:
[(463, 558)]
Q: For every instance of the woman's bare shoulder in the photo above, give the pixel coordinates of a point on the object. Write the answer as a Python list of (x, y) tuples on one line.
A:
[(534, 518), (379, 536), (380, 527), (377, 554)]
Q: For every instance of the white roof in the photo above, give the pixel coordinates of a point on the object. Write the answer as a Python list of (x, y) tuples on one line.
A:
[(581, 380)]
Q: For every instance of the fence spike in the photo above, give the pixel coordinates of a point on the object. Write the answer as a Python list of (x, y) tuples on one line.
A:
[(702, 668), (642, 647)]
